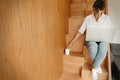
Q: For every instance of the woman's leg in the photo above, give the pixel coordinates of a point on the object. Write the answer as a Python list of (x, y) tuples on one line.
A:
[(93, 47), (102, 51)]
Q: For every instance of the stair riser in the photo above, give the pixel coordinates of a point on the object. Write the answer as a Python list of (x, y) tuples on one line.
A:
[(78, 45), (72, 68), (88, 12), (73, 28), (72, 60), (78, 1), (75, 24), (90, 1), (78, 7), (78, 13), (73, 63), (103, 76), (70, 76), (87, 55), (86, 75)]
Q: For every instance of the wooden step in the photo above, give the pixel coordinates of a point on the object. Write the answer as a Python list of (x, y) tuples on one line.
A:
[(78, 9), (70, 76), (73, 62), (78, 6), (75, 23), (88, 12), (76, 46), (104, 75), (87, 55), (90, 1), (90, 5), (87, 70), (78, 13), (80, 16), (78, 1)]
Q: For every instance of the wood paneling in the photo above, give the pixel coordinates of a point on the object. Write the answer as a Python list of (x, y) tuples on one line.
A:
[(68, 10), (32, 39)]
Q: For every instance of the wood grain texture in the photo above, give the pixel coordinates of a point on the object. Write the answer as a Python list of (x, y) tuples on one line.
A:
[(77, 46), (109, 64), (70, 76), (73, 63), (32, 39), (106, 6), (75, 23), (68, 10)]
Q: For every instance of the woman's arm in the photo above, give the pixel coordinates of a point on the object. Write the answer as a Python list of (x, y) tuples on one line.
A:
[(74, 39), (80, 32)]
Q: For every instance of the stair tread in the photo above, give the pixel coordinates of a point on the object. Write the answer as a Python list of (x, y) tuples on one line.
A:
[(73, 62), (77, 13), (73, 55), (88, 67), (77, 54), (75, 21), (78, 7), (70, 76), (87, 70), (76, 18), (80, 16)]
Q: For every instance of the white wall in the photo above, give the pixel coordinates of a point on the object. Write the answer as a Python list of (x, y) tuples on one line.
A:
[(114, 11)]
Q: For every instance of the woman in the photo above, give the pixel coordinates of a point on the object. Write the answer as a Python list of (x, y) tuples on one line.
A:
[(98, 50)]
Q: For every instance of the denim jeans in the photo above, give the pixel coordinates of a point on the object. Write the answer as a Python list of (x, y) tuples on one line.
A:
[(98, 51)]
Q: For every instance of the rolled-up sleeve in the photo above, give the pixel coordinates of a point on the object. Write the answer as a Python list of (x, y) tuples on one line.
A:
[(83, 26), (109, 21)]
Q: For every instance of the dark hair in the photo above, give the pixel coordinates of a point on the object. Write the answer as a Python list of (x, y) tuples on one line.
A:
[(99, 5)]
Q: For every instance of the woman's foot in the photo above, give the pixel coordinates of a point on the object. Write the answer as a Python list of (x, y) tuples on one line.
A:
[(94, 74), (99, 70)]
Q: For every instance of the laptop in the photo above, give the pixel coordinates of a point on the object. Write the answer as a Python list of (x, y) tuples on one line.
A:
[(100, 33)]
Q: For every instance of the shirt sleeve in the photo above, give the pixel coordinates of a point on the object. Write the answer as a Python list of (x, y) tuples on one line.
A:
[(83, 26), (109, 21)]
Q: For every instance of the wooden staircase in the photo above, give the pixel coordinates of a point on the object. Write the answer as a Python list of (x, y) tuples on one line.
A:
[(78, 65)]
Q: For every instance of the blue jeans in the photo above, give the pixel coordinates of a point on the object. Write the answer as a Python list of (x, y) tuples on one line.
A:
[(98, 51)]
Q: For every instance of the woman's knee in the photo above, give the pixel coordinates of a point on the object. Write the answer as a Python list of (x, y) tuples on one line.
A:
[(103, 44), (92, 44)]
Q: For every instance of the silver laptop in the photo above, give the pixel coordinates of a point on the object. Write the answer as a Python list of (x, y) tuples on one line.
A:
[(100, 33)]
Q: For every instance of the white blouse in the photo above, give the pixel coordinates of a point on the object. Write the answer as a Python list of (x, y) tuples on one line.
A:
[(90, 20)]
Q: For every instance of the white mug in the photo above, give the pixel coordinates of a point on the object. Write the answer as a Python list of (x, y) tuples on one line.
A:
[(67, 51)]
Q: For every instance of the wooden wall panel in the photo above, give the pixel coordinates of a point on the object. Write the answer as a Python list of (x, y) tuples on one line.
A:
[(32, 39), (68, 15)]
